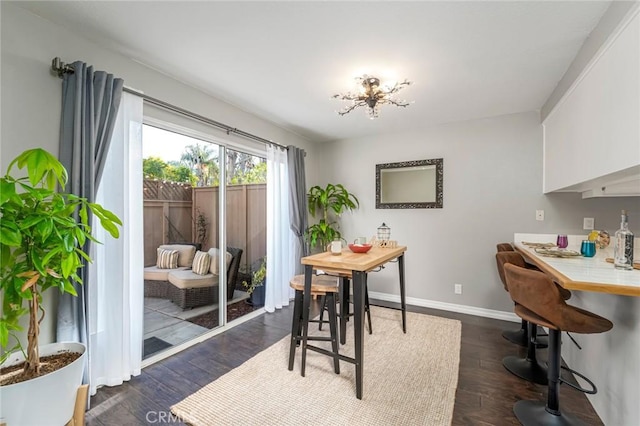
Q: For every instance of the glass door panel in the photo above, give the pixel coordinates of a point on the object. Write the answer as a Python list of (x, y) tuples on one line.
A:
[(181, 213), (246, 230)]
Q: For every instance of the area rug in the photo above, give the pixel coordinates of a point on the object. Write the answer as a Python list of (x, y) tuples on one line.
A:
[(153, 345), (409, 379)]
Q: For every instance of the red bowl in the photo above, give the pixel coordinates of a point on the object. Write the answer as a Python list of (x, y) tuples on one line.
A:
[(360, 248)]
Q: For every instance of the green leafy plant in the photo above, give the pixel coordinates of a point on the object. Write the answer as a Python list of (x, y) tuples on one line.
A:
[(257, 278), (42, 233), (334, 199)]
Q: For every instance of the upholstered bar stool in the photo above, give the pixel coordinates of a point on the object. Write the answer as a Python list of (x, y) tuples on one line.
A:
[(327, 287), (539, 301), (519, 337), (527, 368)]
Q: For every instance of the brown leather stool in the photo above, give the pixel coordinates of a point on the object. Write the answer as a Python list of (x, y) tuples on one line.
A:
[(327, 287), (527, 368), (519, 337), (539, 301)]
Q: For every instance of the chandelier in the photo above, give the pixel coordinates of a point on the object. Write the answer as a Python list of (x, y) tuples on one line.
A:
[(372, 95)]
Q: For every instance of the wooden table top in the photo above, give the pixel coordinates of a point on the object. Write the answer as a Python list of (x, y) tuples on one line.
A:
[(349, 261), (582, 273)]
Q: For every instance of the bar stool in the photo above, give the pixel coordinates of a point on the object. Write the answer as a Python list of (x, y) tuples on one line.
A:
[(344, 314), (527, 368), (539, 301), (519, 337), (327, 287)]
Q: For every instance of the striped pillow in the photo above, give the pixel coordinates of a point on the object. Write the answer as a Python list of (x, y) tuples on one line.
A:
[(201, 263), (167, 259)]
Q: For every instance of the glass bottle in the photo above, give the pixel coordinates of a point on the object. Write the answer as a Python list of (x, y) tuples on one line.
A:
[(623, 248)]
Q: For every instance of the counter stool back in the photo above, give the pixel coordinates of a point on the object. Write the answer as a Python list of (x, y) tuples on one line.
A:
[(519, 337), (324, 286), (539, 301), (527, 368)]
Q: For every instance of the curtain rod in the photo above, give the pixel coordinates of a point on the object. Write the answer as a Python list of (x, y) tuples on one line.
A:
[(60, 69)]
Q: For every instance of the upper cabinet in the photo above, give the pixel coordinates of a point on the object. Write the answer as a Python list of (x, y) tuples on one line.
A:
[(592, 136)]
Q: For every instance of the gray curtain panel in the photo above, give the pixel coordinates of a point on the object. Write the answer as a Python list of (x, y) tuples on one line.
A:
[(298, 199), (90, 102)]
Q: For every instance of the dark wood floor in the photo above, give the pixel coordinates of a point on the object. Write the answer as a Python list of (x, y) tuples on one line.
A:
[(485, 396)]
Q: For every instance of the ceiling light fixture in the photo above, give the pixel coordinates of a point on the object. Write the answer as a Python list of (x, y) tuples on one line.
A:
[(372, 95)]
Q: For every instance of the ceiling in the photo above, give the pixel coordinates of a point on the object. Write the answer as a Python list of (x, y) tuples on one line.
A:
[(284, 60)]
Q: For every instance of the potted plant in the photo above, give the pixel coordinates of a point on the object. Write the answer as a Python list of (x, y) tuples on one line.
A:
[(335, 199), (256, 287), (42, 233)]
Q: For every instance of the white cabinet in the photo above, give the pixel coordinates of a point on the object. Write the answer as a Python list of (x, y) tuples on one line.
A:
[(592, 137)]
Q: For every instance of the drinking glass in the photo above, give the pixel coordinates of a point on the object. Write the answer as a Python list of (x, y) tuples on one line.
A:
[(588, 248), (562, 241)]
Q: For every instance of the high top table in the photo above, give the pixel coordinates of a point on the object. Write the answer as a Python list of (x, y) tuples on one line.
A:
[(357, 265)]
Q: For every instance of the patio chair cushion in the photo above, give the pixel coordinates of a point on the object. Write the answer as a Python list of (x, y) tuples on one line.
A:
[(201, 263), (154, 273), (188, 279), (214, 253), (167, 259), (185, 253)]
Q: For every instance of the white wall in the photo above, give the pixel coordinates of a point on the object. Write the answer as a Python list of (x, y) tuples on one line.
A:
[(31, 96)]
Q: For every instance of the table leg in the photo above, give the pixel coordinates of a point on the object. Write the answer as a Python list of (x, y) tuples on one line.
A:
[(306, 306), (344, 308), (359, 278), (403, 302)]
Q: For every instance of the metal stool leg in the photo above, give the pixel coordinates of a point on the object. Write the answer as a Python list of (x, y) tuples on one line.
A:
[(531, 413), (296, 324), (528, 368)]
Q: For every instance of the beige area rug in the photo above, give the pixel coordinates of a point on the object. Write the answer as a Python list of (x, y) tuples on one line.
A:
[(409, 379)]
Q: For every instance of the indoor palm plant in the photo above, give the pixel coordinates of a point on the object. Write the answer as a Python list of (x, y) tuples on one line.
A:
[(42, 232), (331, 200)]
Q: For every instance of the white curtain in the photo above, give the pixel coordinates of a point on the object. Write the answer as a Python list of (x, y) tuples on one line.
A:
[(116, 305), (280, 239)]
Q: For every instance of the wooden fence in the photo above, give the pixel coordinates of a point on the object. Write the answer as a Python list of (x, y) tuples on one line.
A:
[(175, 218)]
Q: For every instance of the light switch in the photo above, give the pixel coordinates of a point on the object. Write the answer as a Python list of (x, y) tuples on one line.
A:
[(539, 214)]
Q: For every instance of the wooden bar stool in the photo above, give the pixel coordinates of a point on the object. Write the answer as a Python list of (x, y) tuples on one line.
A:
[(539, 301), (327, 287), (344, 313)]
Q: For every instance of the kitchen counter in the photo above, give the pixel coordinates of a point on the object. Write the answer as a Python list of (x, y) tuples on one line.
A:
[(581, 273)]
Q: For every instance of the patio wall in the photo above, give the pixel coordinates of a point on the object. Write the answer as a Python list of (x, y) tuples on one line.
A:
[(174, 220)]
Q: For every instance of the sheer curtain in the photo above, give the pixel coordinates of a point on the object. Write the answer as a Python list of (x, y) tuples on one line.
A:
[(115, 313), (280, 238)]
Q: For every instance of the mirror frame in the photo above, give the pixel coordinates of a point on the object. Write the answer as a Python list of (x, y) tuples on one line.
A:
[(438, 162)]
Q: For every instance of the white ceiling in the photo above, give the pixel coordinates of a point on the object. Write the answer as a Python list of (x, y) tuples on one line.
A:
[(284, 60)]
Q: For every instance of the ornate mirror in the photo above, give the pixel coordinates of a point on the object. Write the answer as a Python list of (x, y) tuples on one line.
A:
[(409, 184)]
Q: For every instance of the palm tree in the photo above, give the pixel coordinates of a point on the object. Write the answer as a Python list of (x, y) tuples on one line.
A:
[(201, 159)]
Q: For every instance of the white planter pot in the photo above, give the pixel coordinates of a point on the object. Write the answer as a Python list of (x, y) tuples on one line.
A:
[(45, 400)]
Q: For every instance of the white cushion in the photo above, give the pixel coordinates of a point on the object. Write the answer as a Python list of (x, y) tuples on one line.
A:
[(214, 253), (201, 263), (185, 253), (187, 279), (156, 274)]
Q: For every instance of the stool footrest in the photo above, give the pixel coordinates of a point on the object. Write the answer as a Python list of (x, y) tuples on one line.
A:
[(591, 391)]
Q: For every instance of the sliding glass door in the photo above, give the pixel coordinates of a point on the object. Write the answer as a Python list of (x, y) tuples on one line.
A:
[(183, 196)]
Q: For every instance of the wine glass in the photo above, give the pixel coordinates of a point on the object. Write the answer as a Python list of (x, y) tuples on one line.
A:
[(562, 241)]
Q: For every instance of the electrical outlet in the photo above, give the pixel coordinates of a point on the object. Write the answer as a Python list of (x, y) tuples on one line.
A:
[(539, 214), (588, 223), (457, 288)]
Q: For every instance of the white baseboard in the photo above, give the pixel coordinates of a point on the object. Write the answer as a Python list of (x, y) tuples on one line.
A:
[(451, 307)]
